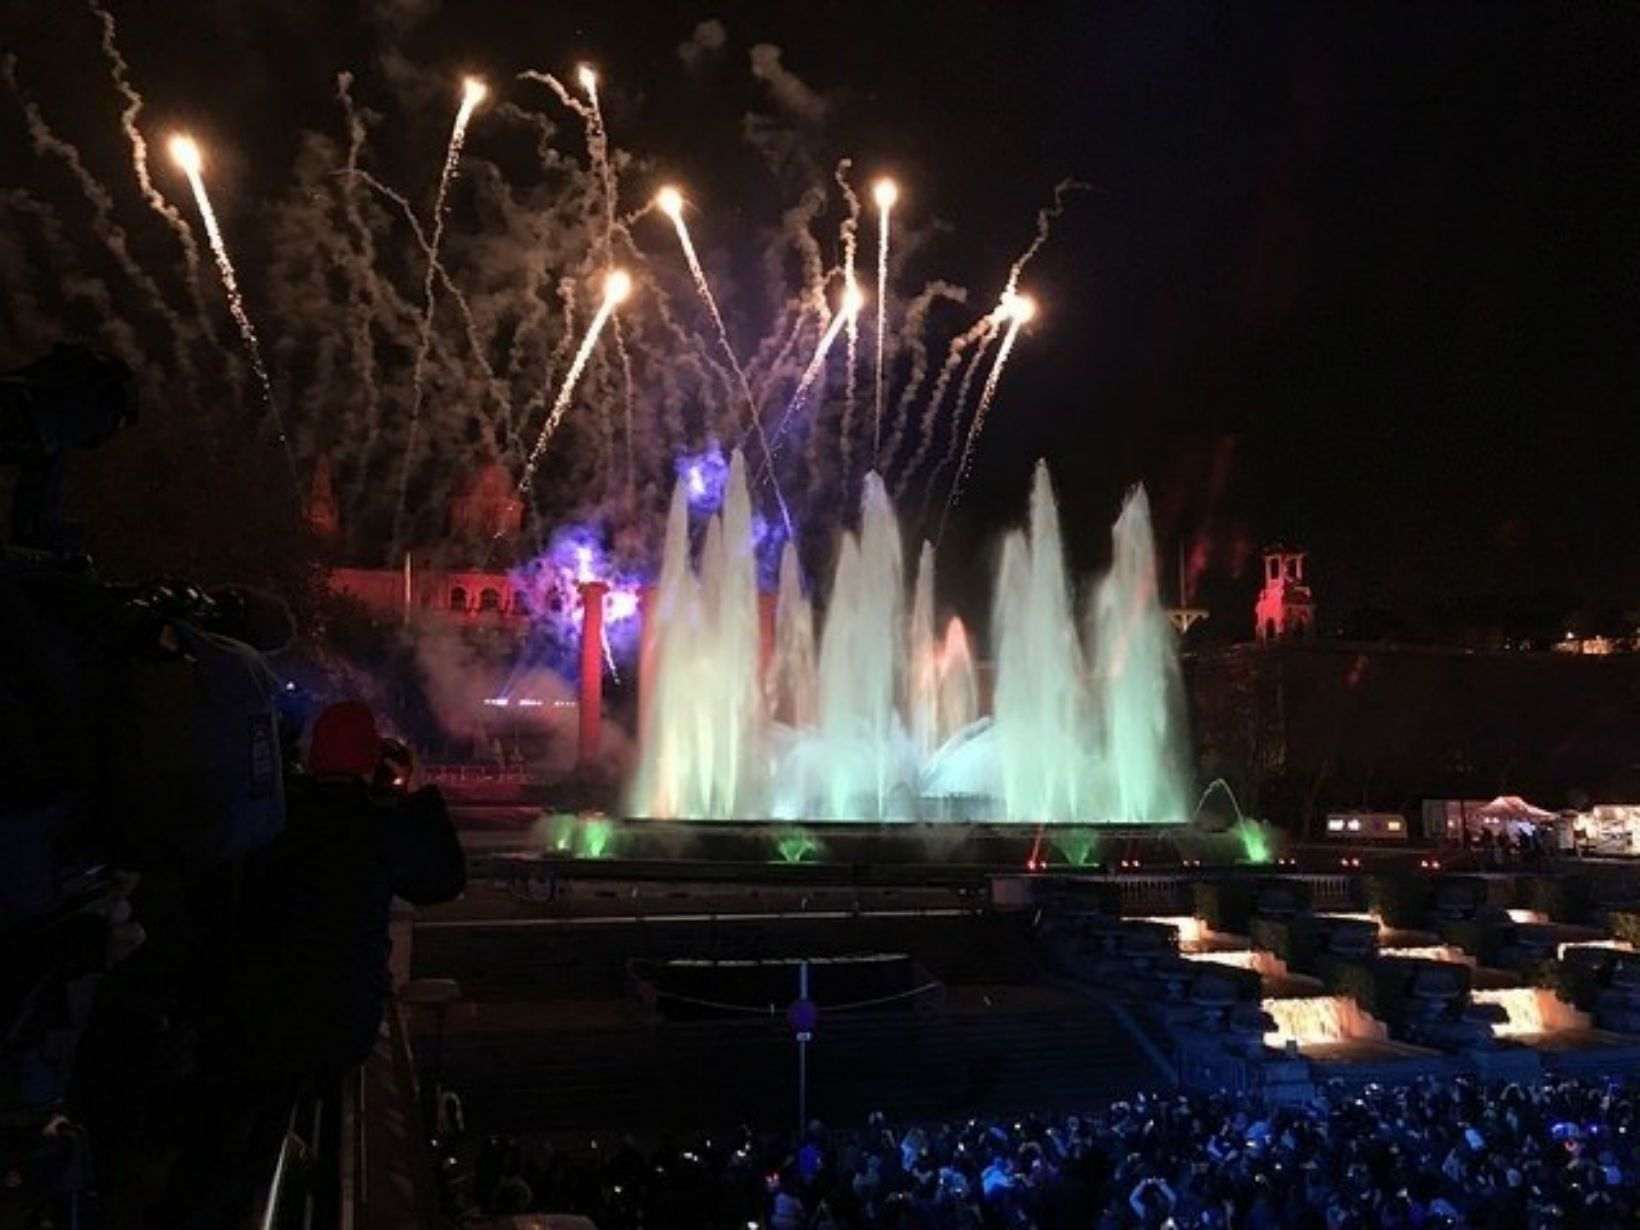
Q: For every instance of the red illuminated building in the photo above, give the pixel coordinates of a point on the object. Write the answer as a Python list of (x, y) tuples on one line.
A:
[(1285, 609)]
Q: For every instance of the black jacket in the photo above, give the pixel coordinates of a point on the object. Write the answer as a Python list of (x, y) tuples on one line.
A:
[(313, 974)]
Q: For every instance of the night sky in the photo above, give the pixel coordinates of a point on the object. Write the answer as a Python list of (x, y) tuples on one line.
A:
[(1360, 278)]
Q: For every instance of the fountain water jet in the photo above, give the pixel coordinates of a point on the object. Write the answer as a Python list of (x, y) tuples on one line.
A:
[(877, 718), (1320, 1019)]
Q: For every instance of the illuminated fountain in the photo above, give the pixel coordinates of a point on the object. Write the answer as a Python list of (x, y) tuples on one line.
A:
[(876, 717), (1265, 964), (1430, 952), (1531, 1011), (1320, 1019)]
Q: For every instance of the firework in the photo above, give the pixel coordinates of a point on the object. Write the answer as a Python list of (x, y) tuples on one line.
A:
[(670, 202), (849, 234), (1020, 310), (473, 92), (121, 73), (853, 301), (598, 150), (186, 154), (979, 336), (617, 287), (884, 193)]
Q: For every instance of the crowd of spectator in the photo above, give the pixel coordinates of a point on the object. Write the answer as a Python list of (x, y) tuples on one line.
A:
[(1448, 1153)]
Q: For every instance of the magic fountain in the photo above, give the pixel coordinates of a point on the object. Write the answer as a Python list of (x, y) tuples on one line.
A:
[(876, 716)]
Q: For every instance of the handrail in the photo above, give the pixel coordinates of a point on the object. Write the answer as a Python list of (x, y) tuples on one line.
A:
[(276, 1184)]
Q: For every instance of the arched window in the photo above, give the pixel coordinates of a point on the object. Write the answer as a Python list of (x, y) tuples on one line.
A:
[(520, 603), (458, 599), (489, 600)]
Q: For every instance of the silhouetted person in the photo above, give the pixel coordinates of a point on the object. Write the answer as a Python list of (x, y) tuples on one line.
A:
[(311, 980), (315, 969)]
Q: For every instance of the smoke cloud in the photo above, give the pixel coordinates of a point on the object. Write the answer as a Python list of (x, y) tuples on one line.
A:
[(789, 90), (707, 40)]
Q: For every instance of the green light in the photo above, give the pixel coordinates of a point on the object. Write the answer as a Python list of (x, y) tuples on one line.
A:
[(1257, 841), (1078, 845), (597, 839), (561, 829), (796, 846)]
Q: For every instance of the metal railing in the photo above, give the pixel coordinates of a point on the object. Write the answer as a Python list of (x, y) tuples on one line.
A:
[(313, 1182)]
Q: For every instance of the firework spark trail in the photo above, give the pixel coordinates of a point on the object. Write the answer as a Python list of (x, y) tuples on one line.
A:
[(498, 387), (120, 71), (692, 352), (1020, 309), (598, 154), (187, 156), (472, 93), (557, 87), (849, 234), (983, 332), (957, 414), (885, 194), (616, 288), (113, 235), (364, 298), (979, 334), (765, 364), (598, 148), (911, 333), (811, 373), (1044, 222), (670, 203)]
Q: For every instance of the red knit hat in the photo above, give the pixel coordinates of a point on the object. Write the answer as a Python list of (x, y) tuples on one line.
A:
[(345, 743)]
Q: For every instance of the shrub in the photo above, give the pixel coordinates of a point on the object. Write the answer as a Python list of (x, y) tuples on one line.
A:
[(1281, 894), (1565, 899), (1273, 935), (1577, 984), (1625, 925), (1370, 986), (1401, 901), (1225, 905), (1503, 891), (1481, 938)]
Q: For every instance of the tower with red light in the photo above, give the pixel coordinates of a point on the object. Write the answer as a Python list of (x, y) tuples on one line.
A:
[(1285, 609)]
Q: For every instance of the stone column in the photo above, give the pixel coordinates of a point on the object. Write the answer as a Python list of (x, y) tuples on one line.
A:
[(592, 670)]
